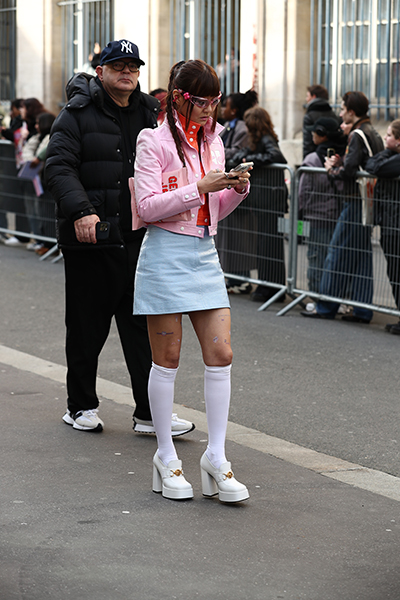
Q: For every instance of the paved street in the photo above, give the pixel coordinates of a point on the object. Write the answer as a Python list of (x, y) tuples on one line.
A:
[(312, 404)]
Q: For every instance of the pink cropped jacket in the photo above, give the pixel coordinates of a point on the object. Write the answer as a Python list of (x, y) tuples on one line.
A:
[(156, 154)]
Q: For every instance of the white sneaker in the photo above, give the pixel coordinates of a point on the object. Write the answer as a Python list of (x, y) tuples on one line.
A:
[(33, 246), (84, 420), (344, 309), (178, 426), (13, 241)]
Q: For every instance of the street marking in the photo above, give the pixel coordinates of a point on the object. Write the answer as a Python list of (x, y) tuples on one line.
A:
[(335, 468)]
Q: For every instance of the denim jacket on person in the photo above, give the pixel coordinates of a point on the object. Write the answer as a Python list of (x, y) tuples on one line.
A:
[(156, 154)]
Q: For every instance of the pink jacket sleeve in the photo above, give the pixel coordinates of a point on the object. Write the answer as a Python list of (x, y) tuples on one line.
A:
[(154, 205)]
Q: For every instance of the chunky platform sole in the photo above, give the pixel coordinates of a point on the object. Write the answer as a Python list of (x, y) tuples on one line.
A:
[(179, 488), (222, 482)]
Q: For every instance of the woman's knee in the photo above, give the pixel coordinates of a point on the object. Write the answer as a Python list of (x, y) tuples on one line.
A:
[(220, 357), (168, 358)]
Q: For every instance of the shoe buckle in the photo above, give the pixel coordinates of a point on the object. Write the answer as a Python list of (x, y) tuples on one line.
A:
[(228, 475), (177, 472)]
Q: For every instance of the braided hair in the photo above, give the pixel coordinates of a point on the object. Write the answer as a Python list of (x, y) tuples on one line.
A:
[(195, 77)]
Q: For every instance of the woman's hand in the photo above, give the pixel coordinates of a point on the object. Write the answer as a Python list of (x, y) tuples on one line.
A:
[(216, 180)]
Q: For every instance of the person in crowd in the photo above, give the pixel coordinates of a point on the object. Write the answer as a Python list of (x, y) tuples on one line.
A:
[(267, 202), (161, 95), (348, 264), (90, 157), (26, 141), (29, 140), (317, 106), (8, 133), (29, 112), (235, 136), (319, 202), (93, 61), (45, 203), (15, 120), (386, 166), (179, 272)]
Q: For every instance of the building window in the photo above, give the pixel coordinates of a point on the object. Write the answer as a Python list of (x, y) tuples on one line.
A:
[(208, 29), (355, 45), (7, 49), (85, 24)]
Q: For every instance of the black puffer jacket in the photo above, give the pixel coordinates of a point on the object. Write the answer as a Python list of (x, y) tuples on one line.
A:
[(84, 158)]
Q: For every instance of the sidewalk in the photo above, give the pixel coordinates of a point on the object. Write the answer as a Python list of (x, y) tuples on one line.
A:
[(79, 519)]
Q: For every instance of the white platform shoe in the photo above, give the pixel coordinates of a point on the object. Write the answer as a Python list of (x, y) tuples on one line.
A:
[(169, 480), (221, 481)]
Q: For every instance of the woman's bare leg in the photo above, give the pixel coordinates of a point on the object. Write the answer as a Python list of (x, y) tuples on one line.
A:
[(165, 334), (213, 331)]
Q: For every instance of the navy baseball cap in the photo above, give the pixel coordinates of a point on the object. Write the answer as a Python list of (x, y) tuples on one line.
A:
[(120, 49)]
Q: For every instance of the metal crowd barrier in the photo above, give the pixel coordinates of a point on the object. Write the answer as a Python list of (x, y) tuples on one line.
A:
[(283, 237), (286, 251), (253, 242), (22, 213), (341, 259)]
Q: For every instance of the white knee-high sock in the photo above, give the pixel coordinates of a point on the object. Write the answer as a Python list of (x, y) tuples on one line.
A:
[(161, 398), (217, 395)]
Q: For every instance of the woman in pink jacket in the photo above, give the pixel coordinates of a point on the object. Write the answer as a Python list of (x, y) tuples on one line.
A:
[(182, 192)]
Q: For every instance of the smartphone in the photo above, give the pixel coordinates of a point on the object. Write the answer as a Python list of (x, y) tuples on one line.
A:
[(240, 168), (102, 230), (330, 152)]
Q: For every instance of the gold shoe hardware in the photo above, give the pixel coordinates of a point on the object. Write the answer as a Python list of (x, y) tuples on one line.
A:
[(228, 475), (178, 472)]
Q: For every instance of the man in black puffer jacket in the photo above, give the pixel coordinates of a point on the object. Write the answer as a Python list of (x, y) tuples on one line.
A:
[(90, 158)]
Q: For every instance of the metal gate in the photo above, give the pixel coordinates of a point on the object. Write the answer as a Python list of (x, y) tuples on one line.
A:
[(355, 45), (208, 29), (84, 23), (7, 49)]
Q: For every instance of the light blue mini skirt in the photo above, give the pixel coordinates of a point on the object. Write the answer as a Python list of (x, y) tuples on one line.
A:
[(178, 274)]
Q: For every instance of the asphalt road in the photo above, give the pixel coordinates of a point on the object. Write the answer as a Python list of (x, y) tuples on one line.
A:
[(326, 385)]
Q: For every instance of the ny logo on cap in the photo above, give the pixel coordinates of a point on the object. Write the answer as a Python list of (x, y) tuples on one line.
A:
[(127, 46)]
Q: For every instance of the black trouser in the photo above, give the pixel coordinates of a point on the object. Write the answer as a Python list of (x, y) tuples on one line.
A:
[(99, 285)]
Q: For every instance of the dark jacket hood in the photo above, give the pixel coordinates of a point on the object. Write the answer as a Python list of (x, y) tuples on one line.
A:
[(319, 104)]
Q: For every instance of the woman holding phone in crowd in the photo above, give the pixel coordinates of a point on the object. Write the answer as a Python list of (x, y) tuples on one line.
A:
[(179, 272)]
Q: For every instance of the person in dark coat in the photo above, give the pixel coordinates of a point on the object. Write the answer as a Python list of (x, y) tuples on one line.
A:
[(90, 157), (317, 106), (256, 232), (235, 137), (319, 200), (386, 166)]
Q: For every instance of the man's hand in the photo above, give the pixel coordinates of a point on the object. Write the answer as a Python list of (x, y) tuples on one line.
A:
[(333, 161), (85, 229)]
